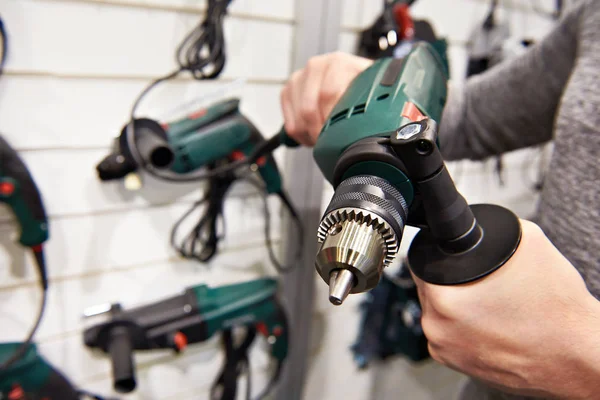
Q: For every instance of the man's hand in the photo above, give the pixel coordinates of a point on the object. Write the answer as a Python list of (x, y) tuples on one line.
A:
[(529, 328), (312, 92)]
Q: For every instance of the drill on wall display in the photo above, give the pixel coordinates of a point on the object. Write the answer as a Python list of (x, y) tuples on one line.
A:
[(395, 31), (218, 138), (387, 172), (195, 316)]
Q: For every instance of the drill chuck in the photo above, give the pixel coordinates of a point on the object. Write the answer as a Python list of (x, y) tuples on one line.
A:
[(360, 234)]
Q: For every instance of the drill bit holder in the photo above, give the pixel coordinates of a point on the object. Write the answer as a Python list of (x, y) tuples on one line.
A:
[(458, 243)]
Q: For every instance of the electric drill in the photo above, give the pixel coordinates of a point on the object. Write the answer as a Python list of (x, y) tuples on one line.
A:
[(192, 317), (379, 150), (218, 137), (219, 132)]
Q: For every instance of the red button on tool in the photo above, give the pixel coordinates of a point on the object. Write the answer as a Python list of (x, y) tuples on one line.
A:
[(197, 114), (261, 161), (180, 341), (277, 331), (237, 155), (16, 393), (262, 329), (7, 188), (411, 112)]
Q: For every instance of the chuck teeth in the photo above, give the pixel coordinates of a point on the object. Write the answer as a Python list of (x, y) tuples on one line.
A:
[(363, 217)]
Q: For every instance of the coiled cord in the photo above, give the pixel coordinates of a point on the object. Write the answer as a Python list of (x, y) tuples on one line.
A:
[(202, 241)]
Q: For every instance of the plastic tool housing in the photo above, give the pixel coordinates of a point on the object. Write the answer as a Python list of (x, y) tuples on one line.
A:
[(379, 149)]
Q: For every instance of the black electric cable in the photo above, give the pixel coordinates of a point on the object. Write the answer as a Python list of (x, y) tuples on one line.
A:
[(236, 364), (22, 349), (285, 200), (4, 43), (202, 241)]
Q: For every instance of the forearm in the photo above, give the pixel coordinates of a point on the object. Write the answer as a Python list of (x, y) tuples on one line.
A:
[(513, 105)]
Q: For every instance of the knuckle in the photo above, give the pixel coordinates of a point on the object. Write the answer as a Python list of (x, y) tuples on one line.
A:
[(314, 62), (430, 329), (307, 112), (327, 94), (435, 354), (532, 229)]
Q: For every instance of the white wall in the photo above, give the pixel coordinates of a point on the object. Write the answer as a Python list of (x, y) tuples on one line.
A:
[(334, 375), (73, 71)]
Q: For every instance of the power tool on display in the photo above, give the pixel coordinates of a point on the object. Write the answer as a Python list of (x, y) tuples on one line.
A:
[(195, 316), (379, 150), (395, 31), (219, 138), (19, 191), (33, 378), (391, 321)]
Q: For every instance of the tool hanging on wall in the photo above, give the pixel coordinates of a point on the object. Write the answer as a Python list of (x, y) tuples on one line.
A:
[(391, 321), (218, 140), (19, 191), (202, 53), (34, 378), (395, 31), (215, 137), (193, 317)]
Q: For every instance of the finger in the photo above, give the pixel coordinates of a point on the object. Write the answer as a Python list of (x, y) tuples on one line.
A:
[(308, 98), (288, 112), (296, 125)]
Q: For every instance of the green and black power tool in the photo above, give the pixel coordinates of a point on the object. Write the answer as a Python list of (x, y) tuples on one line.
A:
[(379, 149), (19, 191), (195, 316), (219, 138), (33, 378), (219, 132)]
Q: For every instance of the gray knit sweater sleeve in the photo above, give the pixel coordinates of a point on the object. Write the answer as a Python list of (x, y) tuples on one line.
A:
[(512, 105)]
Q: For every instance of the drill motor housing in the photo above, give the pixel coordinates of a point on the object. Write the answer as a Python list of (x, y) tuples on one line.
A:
[(208, 136)]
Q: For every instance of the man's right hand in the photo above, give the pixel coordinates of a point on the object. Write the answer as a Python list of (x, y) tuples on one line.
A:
[(311, 93)]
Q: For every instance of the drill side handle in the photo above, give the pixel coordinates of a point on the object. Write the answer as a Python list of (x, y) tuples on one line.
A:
[(462, 243)]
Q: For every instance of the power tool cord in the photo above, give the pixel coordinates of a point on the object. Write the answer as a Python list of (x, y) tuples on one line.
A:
[(285, 200), (24, 346), (4, 43), (236, 363), (201, 243)]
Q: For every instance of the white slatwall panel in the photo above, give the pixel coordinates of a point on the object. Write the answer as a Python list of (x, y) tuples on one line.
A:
[(74, 69)]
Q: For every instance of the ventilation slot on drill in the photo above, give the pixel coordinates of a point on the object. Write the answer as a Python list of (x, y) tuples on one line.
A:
[(339, 116), (383, 96), (359, 109)]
